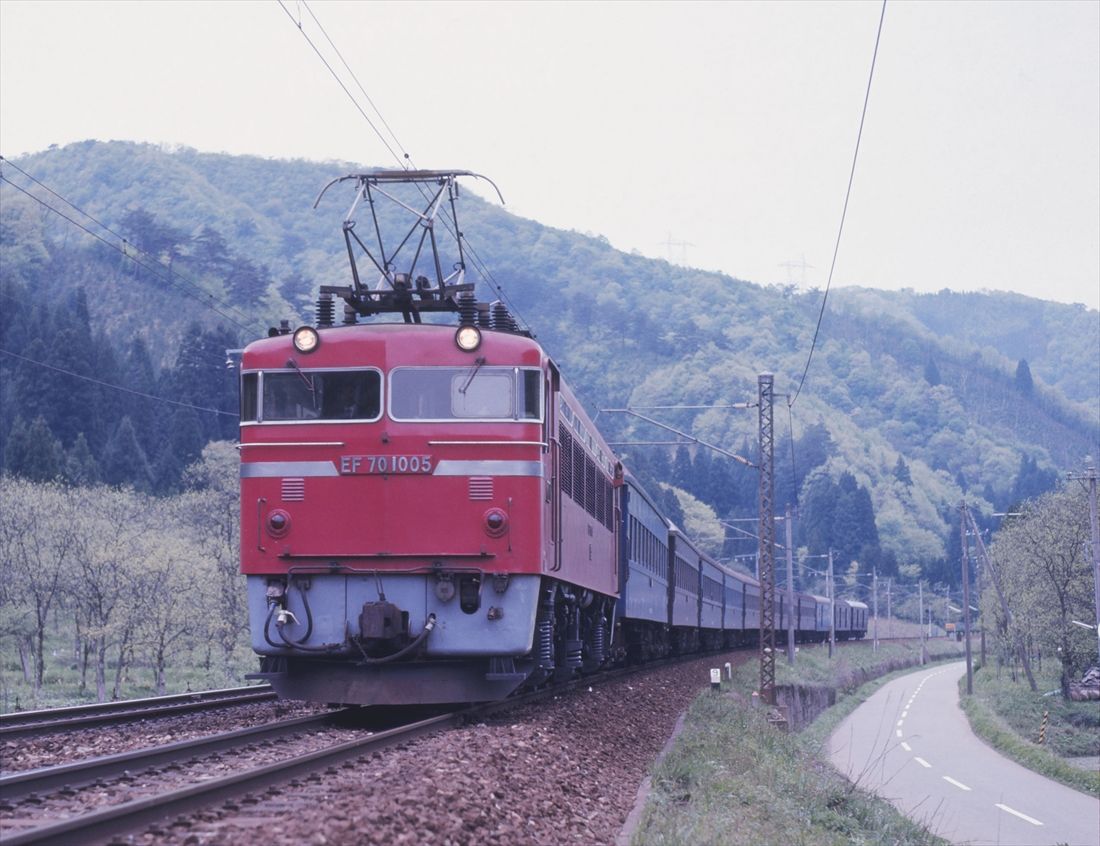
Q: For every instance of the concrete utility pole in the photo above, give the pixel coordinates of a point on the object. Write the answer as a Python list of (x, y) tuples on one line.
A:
[(790, 590), (874, 594), (920, 624), (981, 588), (987, 564), (832, 605), (966, 598), (1094, 525), (889, 616), (765, 398)]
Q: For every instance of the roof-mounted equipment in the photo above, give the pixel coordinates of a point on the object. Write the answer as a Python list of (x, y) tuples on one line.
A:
[(400, 287)]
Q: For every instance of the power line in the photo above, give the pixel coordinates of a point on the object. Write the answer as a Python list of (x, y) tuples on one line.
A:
[(340, 82), (404, 162), (117, 387), (198, 288), (347, 67), (844, 212), (154, 267)]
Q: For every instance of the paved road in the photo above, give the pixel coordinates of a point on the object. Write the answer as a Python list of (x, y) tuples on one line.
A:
[(911, 743)]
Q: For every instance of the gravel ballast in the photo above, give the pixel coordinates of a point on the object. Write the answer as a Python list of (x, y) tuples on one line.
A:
[(563, 771)]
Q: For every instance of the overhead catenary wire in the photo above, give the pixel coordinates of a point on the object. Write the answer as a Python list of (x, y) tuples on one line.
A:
[(404, 161), (103, 384), (298, 23), (844, 211), (151, 264), (194, 285), (347, 67)]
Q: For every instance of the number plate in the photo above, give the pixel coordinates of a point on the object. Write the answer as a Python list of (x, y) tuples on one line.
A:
[(361, 465)]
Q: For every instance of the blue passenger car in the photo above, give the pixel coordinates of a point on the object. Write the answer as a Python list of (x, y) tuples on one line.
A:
[(685, 563), (643, 607), (711, 600)]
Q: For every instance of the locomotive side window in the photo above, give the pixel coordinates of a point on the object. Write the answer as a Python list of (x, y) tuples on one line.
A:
[(530, 404), (465, 393), (249, 387), (321, 395)]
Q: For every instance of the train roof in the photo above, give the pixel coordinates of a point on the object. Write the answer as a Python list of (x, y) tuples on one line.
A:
[(737, 574), (433, 342), (640, 489)]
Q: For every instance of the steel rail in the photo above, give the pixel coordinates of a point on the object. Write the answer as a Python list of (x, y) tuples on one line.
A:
[(24, 723), (130, 816), (81, 773), (134, 815)]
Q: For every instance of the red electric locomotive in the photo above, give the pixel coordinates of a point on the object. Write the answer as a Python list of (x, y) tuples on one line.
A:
[(427, 514)]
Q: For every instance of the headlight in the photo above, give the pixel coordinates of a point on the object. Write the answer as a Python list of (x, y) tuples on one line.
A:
[(306, 339), (468, 338)]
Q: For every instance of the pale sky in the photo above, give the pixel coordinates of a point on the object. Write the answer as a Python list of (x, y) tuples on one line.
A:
[(727, 128)]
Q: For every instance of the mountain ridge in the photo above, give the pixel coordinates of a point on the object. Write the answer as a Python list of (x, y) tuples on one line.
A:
[(931, 380)]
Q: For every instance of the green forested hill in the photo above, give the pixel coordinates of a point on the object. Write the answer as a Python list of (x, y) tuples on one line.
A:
[(912, 402)]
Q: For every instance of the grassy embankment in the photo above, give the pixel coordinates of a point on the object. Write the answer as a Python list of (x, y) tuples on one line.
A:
[(732, 779), (1008, 716), (64, 684)]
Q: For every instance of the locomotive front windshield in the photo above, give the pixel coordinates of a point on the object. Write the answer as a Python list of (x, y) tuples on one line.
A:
[(465, 393), (301, 395)]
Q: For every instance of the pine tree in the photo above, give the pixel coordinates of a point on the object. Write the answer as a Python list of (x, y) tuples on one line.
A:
[(124, 461), (681, 469), (139, 373), (33, 452), (1024, 383), (81, 468), (76, 400), (931, 372)]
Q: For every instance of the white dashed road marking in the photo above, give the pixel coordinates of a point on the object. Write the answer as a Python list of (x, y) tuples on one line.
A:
[(924, 763), (906, 746), (957, 784), (1024, 817)]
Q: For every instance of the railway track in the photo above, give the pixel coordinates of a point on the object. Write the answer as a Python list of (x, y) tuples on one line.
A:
[(103, 823), (36, 787), (196, 789), (27, 723)]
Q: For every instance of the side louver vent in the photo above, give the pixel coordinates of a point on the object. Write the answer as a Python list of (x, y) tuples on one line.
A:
[(481, 487), (294, 490)]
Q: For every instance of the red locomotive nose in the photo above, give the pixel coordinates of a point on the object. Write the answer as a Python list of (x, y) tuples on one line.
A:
[(496, 522), (278, 523)]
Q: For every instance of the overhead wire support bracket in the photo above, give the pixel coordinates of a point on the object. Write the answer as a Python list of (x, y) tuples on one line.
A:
[(689, 439)]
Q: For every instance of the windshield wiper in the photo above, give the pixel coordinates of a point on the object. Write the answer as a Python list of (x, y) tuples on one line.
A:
[(478, 362), (291, 363)]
